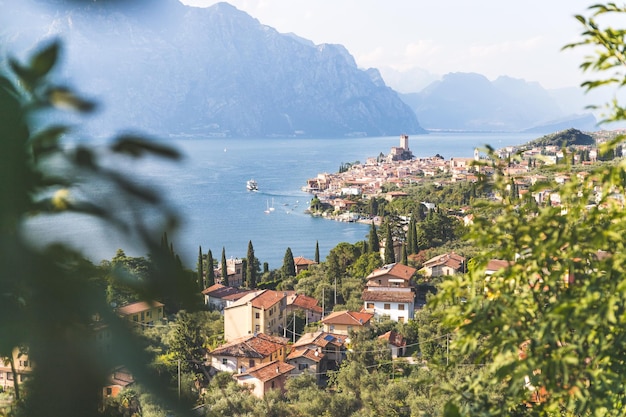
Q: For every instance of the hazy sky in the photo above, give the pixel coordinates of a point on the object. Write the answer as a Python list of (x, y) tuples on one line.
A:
[(521, 39)]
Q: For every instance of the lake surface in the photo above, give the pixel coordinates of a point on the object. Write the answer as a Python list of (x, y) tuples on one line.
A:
[(208, 189)]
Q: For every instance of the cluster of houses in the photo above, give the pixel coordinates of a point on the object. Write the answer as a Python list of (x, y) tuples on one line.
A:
[(261, 348), (400, 168)]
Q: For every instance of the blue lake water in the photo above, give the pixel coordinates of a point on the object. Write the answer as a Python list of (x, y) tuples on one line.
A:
[(208, 189)]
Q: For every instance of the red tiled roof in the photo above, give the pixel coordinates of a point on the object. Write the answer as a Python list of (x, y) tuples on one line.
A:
[(392, 296), (221, 291), (393, 338), (299, 352), (304, 302), (138, 307), (451, 260), (497, 264), (396, 270), (263, 299), (300, 260), (268, 371), (321, 339), (259, 346), (351, 318)]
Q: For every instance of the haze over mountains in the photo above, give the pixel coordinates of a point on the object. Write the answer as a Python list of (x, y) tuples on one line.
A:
[(166, 68)]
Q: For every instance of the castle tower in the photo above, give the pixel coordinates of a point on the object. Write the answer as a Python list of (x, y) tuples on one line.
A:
[(476, 156), (404, 142)]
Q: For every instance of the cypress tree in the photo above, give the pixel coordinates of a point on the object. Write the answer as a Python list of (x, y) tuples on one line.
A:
[(224, 268), (409, 236), (266, 267), (289, 267), (405, 258), (390, 256), (210, 273), (373, 243), (317, 252), (250, 267), (200, 269), (413, 244)]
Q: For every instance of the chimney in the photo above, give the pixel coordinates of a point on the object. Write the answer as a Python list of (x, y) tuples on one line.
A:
[(277, 369)]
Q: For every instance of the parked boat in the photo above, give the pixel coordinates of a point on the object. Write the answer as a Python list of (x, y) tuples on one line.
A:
[(252, 185)]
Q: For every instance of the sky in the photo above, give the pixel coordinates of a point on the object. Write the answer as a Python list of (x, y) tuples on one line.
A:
[(413, 42)]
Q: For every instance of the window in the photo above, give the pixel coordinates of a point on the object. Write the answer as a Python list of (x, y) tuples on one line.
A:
[(400, 319), (257, 328), (387, 306), (257, 315), (370, 305), (9, 376), (401, 307), (272, 384), (1, 375), (303, 366), (135, 317), (251, 363), (109, 392), (224, 361), (143, 315)]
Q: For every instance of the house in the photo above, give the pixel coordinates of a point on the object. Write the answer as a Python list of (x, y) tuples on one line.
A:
[(308, 360), (307, 305), (216, 296), (445, 264), (342, 322), (256, 312), (23, 369), (247, 352), (143, 313), (390, 293), (265, 377), (234, 269), (119, 379), (302, 263), (395, 342), (331, 348)]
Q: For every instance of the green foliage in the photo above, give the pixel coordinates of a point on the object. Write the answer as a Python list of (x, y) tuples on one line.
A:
[(224, 268), (549, 326), (210, 269), (390, 256), (50, 294), (373, 244), (289, 267), (252, 267)]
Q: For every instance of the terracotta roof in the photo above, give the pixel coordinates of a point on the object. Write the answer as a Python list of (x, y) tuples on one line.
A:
[(393, 296), (321, 339), (237, 295), (263, 299), (396, 270), (221, 291), (259, 346), (351, 318), (121, 377), (450, 259), (393, 338), (138, 307), (497, 264), (300, 260), (305, 302), (299, 352), (268, 371)]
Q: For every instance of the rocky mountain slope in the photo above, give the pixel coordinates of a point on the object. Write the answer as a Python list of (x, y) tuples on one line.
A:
[(164, 67)]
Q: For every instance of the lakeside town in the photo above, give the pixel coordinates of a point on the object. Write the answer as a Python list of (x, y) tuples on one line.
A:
[(260, 345), (339, 192)]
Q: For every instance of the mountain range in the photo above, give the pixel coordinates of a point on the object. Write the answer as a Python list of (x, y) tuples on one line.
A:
[(167, 68)]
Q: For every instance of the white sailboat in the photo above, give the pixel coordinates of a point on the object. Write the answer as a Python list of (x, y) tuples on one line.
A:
[(272, 206), (267, 210)]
